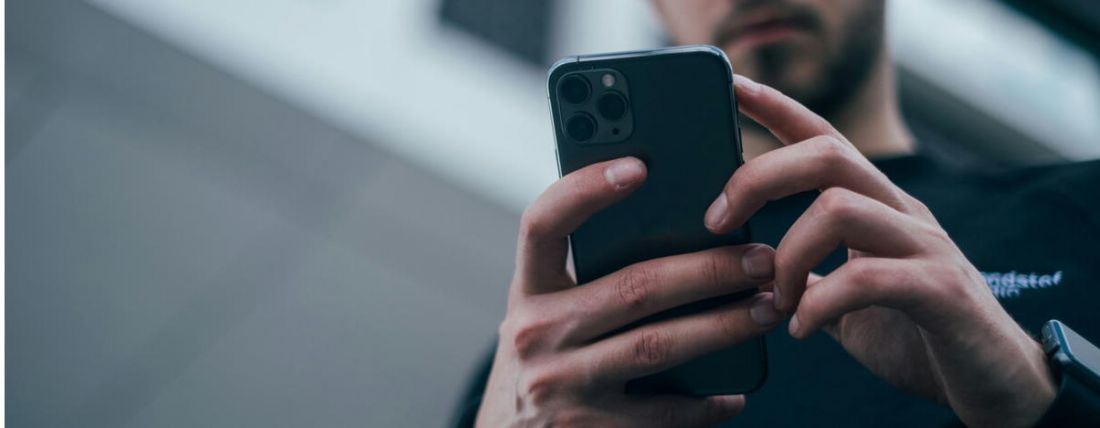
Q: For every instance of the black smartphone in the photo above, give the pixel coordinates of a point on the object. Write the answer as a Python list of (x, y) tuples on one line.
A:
[(675, 110)]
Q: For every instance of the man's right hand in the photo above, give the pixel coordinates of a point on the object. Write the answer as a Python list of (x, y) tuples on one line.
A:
[(555, 363)]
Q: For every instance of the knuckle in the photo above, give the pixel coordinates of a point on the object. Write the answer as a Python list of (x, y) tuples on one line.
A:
[(533, 224), (651, 349), (864, 274), (527, 339), (832, 150), (714, 268), (540, 387), (839, 203), (887, 284), (635, 285), (916, 206), (941, 238), (953, 278)]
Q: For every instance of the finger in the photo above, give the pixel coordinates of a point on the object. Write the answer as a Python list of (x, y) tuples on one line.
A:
[(786, 118), (563, 207), (838, 216), (679, 411), (653, 286), (659, 346), (855, 285), (818, 163)]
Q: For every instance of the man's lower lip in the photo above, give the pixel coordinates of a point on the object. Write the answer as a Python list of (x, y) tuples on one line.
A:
[(764, 36)]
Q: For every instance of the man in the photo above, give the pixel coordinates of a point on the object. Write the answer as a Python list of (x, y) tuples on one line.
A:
[(912, 301)]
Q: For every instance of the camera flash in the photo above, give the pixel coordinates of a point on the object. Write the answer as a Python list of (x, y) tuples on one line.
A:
[(608, 80)]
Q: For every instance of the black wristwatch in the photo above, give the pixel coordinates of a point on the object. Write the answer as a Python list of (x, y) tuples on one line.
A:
[(1075, 363)]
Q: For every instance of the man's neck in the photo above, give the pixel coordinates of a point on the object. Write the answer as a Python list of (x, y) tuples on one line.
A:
[(871, 120)]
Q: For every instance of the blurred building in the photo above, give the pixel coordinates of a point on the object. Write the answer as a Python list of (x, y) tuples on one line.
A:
[(302, 213)]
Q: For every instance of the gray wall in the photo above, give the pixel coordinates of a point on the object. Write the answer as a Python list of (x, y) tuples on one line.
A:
[(184, 250)]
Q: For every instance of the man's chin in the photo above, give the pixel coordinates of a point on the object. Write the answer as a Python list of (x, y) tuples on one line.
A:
[(774, 58), (795, 78)]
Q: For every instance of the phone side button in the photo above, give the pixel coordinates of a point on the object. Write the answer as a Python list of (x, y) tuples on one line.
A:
[(557, 161), (741, 139)]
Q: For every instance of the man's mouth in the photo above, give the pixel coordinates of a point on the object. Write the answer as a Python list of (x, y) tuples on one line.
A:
[(764, 30)]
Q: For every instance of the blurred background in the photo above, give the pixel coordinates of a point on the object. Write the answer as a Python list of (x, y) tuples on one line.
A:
[(302, 213)]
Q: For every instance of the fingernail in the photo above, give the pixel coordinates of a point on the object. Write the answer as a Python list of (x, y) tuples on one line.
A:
[(763, 311), (759, 262), (716, 214), (624, 172), (792, 327)]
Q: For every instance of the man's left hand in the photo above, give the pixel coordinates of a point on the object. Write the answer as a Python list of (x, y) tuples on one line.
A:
[(907, 304)]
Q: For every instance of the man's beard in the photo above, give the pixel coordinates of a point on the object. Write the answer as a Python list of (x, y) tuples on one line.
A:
[(840, 76)]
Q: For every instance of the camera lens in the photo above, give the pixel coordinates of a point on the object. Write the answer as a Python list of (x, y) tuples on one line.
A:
[(574, 89), (580, 127), (611, 105)]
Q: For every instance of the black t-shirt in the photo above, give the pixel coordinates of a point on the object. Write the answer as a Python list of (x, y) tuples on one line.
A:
[(1033, 233)]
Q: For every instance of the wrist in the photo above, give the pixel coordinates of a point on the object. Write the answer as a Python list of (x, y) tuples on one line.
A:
[(1038, 399), (1003, 380), (1032, 395)]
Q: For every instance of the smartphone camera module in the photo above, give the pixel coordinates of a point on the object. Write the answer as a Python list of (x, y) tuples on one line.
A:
[(611, 106), (574, 89), (593, 106), (581, 127)]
